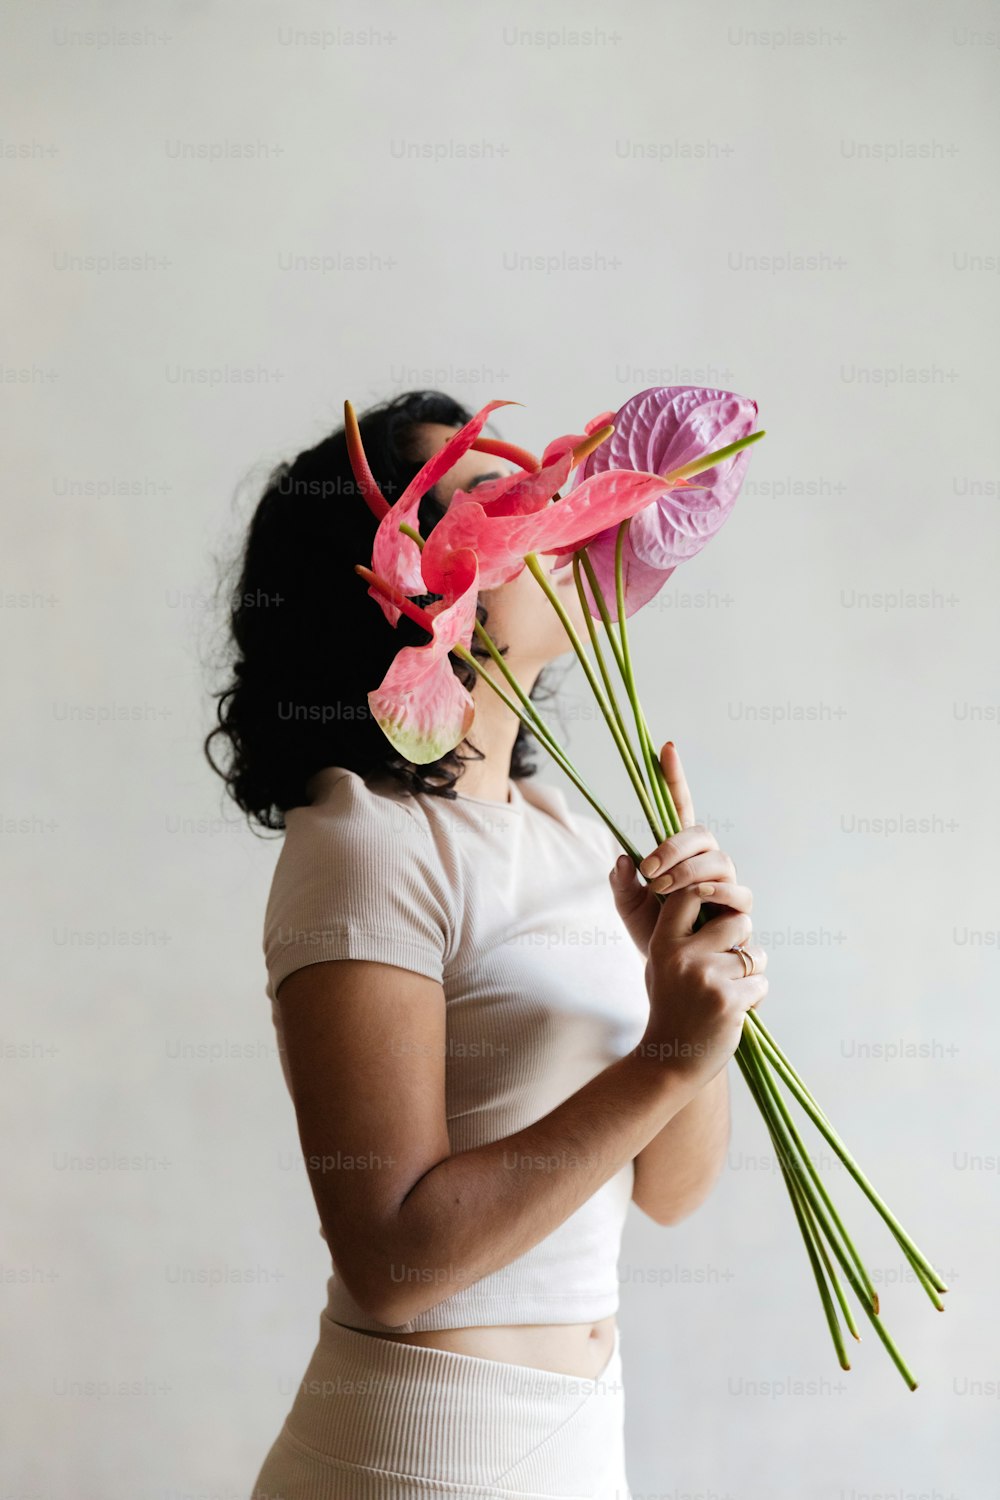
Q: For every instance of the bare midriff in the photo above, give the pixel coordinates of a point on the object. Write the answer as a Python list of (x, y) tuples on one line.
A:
[(581, 1349)]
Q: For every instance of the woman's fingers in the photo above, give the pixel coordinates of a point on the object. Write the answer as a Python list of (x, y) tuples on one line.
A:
[(636, 905), (694, 840), (713, 866), (677, 917), (755, 988), (639, 908), (661, 866), (724, 893), (758, 955), (725, 931), (673, 771)]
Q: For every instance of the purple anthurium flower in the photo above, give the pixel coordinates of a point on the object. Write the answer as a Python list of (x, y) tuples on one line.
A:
[(659, 431)]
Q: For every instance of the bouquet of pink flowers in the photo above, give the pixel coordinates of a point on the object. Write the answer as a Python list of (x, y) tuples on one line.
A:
[(617, 505)]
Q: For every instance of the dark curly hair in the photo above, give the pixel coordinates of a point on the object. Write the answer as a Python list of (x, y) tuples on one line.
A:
[(305, 642)]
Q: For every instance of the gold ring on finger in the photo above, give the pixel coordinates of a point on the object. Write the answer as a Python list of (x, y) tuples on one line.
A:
[(748, 963)]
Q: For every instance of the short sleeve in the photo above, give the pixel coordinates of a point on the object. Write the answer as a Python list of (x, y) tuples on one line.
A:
[(358, 877)]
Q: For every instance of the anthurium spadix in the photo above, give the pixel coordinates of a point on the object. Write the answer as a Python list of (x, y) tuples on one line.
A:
[(509, 451), (667, 430), (529, 462)]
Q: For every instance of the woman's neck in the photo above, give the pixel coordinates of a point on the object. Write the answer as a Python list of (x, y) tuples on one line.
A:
[(493, 732)]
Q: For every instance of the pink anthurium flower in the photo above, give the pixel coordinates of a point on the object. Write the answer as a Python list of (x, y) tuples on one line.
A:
[(420, 705), (661, 430), (396, 556), (480, 542), (518, 524), (522, 494)]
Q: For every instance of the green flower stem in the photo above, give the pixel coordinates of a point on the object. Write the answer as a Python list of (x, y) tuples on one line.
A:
[(628, 676), (653, 768), (659, 780), (913, 1253), (758, 1052), (651, 759), (754, 1047), (536, 570), (552, 746), (602, 665), (665, 802), (791, 1155), (595, 641), (848, 1270), (925, 1282), (656, 782), (812, 1241), (828, 1265), (602, 605), (773, 1047)]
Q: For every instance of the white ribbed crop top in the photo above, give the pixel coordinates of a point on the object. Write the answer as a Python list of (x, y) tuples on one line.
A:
[(509, 907)]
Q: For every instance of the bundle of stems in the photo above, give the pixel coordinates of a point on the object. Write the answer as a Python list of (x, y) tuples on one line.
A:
[(761, 1061)]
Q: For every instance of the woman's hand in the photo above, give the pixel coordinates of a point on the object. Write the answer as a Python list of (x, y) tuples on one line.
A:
[(699, 989), (688, 861)]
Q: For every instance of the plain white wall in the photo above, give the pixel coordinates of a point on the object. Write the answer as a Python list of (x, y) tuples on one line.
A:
[(687, 153)]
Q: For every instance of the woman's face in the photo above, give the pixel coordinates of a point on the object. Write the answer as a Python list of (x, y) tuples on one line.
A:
[(520, 616)]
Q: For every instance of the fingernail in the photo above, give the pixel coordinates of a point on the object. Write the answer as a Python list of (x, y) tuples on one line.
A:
[(650, 864), (622, 864), (706, 890)]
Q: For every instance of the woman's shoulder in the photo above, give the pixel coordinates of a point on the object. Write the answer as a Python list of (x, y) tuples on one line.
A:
[(357, 831), (350, 808), (358, 876)]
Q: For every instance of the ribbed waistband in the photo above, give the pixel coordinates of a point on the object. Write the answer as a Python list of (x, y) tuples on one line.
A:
[(409, 1409)]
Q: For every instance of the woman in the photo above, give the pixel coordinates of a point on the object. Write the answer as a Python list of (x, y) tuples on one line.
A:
[(493, 1036)]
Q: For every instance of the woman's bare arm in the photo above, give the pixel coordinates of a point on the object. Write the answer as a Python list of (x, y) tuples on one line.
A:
[(677, 1169), (408, 1223)]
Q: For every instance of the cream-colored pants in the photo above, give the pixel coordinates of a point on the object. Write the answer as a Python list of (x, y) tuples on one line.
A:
[(378, 1420)]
